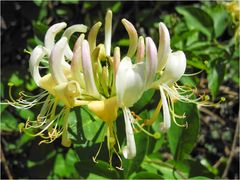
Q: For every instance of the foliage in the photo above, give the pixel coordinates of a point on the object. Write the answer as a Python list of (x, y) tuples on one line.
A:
[(204, 31)]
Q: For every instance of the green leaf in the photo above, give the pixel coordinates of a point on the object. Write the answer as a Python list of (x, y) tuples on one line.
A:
[(146, 175), (198, 170), (199, 177), (83, 125), (200, 45), (215, 76), (70, 1), (89, 5), (183, 36), (3, 107), (144, 100), (182, 140), (114, 6), (87, 168), (31, 85), (164, 171), (8, 122), (197, 63), (220, 16), (123, 42), (38, 2), (15, 80), (95, 176), (26, 114), (64, 165), (62, 11), (2, 89), (39, 29), (198, 19), (188, 81), (234, 71)]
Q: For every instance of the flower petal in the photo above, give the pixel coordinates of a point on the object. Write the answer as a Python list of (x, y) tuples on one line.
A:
[(75, 28), (76, 63), (151, 63), (68, 33), (108, 32), (37, 54), (129, 151), (164, 46), (92, 35), (133, 37), (87, 70), (130, 82), (175, 68), (116, 60), (140, 50), (166, 113), (56, 60), (49, 40)]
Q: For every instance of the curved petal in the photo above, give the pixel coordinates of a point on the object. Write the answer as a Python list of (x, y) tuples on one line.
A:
[(108, 32), (116, 60), (74, 28), (175, 68), (87, 70), (68, 33), (129, 151), (76, 63), (151, 63), (49, 40), (56, 60), (166, 113), (37, 54), (164, 46), (133, 37), (92, 36), (130, 82), (140, 50)]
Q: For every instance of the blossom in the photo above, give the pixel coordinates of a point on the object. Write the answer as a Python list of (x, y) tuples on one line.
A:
[(57, 86), (100, 78), (133, 79)]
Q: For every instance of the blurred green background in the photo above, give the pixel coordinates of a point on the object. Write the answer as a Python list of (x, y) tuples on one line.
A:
[(208, 32)]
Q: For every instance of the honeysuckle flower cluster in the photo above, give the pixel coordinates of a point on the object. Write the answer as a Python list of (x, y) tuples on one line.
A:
[(97, 76)]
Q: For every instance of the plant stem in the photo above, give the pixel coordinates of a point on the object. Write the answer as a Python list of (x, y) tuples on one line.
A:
[(225, 173), (5, 164)]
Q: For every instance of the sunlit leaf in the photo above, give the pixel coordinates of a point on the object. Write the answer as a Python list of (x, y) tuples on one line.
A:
[(196, 18)]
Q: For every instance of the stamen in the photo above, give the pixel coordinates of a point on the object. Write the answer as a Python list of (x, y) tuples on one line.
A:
[(120, 159), (174, 115), (193, 74), (155, 135), (95, 157), (21, 102)]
